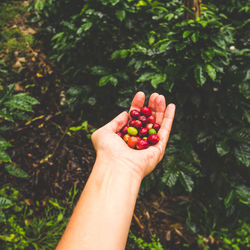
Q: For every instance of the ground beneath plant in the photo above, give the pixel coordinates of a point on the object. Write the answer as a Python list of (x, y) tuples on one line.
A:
[(56, 161)]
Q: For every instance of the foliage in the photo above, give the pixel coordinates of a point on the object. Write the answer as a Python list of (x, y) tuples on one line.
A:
[(138, 243), (237, 240), (13, 107), (108, 49), (22, 228)]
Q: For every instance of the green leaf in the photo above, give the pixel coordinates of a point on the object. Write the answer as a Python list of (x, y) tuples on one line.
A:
[(106, 79), (151, 40), (229, 199), (243, 194), (244, 88), (145, 77), (114, 2), (242, 153), (12, 169), (157, 79), (199, 75), (186, 181), (5, 203), (222, 148), (99, 70), (186, 33), (4, 145), (123, 53), (92, 101), (170, 176), (4, 157), (120, 14), (195, 36), (211, 71)]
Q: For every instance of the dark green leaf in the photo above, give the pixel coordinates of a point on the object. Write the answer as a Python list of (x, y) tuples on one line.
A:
[(4, 157), (211, 71), (222, 148), (157, 79), (199, 75), (186, 33), (120, 14), (5, 203), (15, 171), (243, 194), (186, 181), (242, 153)]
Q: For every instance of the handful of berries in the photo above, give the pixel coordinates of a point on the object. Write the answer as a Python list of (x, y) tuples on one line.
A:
[(141, 132)]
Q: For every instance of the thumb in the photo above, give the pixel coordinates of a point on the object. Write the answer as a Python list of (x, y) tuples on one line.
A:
[(118, 122)]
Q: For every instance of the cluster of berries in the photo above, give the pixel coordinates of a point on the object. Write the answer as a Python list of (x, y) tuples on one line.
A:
[(141, 132)]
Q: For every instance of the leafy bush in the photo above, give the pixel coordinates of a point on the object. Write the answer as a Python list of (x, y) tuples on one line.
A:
[(13, 107), (22, 228), (138, 243), (108, 49)]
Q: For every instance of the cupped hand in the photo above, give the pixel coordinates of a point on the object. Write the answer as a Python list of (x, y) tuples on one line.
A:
[(110, 148)]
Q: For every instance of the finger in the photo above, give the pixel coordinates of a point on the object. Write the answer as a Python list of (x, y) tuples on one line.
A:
[(151, 102), (160, 107), (138, 101), (118, 122), (166, 125)]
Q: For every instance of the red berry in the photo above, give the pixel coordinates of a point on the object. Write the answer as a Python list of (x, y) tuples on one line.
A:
[(134, 114), (156, 126), (142, 144), (153, 139), (126, 137), (143, 119), (132, 141), (138, 137), (138, 124), (151, 119), (124, 130), (119, 133), (146, 111), (132, 123), (149, 126), (143, 132)]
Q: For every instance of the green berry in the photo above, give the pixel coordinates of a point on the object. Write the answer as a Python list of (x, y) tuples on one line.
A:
[(145, 138), (132, 131), (152, 132)]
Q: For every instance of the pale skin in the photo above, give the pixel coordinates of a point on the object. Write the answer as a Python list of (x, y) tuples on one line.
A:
[(103, 214)]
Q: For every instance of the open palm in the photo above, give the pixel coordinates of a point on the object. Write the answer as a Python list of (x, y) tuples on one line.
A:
[(111, 148)]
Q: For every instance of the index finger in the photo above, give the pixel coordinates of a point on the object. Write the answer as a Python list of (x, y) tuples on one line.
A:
[(138, 101)]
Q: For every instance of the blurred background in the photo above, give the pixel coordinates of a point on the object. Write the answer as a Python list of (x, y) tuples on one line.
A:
[(67, 67)]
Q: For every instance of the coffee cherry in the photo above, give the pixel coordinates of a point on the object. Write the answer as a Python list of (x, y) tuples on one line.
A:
[(137, 124), (156, 126), (126, 137), (143, 132), (151, 119), (149, 126), (142, 144), (120, 134), (146, 111), (153, 139), (132, 141), (132, 123), (145, 138), (143, 119), (134, 114), (132, 131), (152, 132), (124, 130)]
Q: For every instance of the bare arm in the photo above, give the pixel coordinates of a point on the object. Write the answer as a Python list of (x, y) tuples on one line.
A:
[(102, 217)]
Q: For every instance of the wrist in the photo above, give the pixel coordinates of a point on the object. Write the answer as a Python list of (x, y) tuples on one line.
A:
[(117, 168)]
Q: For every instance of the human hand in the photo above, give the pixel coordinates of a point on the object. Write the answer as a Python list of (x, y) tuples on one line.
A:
[(110, 148)]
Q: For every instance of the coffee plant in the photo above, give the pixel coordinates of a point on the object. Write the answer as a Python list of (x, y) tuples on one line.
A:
[(109, 49)]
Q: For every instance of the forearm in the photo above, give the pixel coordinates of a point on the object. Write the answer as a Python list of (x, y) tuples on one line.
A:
[(102, 217)]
